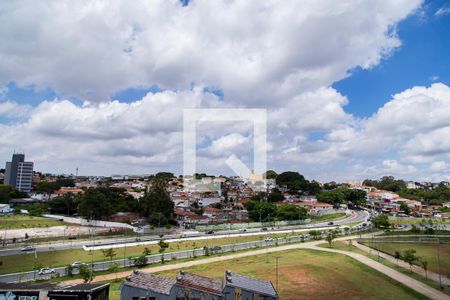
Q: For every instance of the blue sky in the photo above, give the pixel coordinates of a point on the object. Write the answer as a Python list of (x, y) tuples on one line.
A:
[(422, 59), (286, 58)]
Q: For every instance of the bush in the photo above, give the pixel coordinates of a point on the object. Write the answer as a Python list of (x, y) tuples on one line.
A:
[(69, 269), (86, 273), (429, 230), (140, 261)]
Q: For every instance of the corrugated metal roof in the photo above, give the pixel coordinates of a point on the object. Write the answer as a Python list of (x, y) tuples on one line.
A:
[(200, 283), (148, 281), (250, 284)]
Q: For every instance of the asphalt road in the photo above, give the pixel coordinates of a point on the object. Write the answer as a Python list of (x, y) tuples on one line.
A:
[(358, 216)]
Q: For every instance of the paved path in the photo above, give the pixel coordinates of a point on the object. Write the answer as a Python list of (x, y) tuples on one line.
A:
[(410, 282), (416, 269), (404, 279)]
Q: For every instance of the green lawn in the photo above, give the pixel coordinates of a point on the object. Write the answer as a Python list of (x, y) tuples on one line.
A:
[(25, 221), (25, 261), (307, 274), (329, 217), (426, 252)]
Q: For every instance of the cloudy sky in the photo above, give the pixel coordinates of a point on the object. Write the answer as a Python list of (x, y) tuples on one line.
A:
[(352, 89)]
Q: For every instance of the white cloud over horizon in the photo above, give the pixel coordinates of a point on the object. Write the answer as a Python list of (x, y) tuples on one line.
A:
[(281, 56)]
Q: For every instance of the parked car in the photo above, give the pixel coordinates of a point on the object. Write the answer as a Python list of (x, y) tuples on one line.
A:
[(27, 248), (77, 264), (268, 239), (264, 229), (210, 232), (330, 223), (46, 271), (243, 230)]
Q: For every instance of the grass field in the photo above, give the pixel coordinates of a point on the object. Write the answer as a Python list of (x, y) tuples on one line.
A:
[(25, 261), (24, 221), (329, 217), (426, 252), (345, 246), (307, 274)]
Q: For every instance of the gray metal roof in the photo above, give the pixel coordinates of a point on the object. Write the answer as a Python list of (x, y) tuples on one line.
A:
[(149, 281), (200, 283), (250, 284)]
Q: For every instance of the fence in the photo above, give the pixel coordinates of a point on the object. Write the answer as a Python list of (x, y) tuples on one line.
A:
[(234, 226), (186, 254)]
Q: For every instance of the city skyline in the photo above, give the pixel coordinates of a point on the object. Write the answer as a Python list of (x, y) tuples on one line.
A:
[(352, 90)]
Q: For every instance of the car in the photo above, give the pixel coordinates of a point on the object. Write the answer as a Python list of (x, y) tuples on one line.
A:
[(27, 248), (46, 271), (264, 229), (243, 230), (77, 264), (210, 232), (268, 239), (364, 224), (330, 223)]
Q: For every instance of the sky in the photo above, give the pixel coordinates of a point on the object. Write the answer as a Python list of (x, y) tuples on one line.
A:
[(352, 89)]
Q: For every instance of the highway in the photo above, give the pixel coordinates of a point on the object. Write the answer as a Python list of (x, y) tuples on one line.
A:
[(356, 217)]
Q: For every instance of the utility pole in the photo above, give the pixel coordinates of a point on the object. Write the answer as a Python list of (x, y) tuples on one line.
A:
[(439, 264), (125, 250), (276, 284)]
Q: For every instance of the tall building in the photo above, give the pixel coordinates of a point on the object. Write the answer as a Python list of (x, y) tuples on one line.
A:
[(19, 173)]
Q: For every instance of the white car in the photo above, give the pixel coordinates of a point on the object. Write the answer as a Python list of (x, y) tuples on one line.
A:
[(243, 230), (77, 264), (27, 248), (46, 271)]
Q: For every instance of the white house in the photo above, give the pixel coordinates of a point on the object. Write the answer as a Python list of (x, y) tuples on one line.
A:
[(5, 209)]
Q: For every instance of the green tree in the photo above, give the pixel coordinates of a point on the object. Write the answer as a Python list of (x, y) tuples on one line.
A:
[(424, 265), (261, 211), (381, 221), (113, 268), (404, 208), (162, 245), (409, 256), (293, 181), (5, 193), (94, 205), (397, 255), (157, 201), (271, 174), (69, 270), (330, 237), (291, 212), (332, 197), (63, 205), (86, 273), (109, 253), (140, 261), (275, 197)]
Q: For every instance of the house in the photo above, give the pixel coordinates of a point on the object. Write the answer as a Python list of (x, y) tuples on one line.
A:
[(6, 209), (446, 204), (140, 285), (83, 291), (237, 286), (52, 291)]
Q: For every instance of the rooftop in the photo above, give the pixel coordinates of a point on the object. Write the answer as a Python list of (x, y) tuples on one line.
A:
[(200, 283), (143, 280), (250, 284)]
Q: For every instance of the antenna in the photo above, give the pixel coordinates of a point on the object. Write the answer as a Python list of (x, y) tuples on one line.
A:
[(76, 173)]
